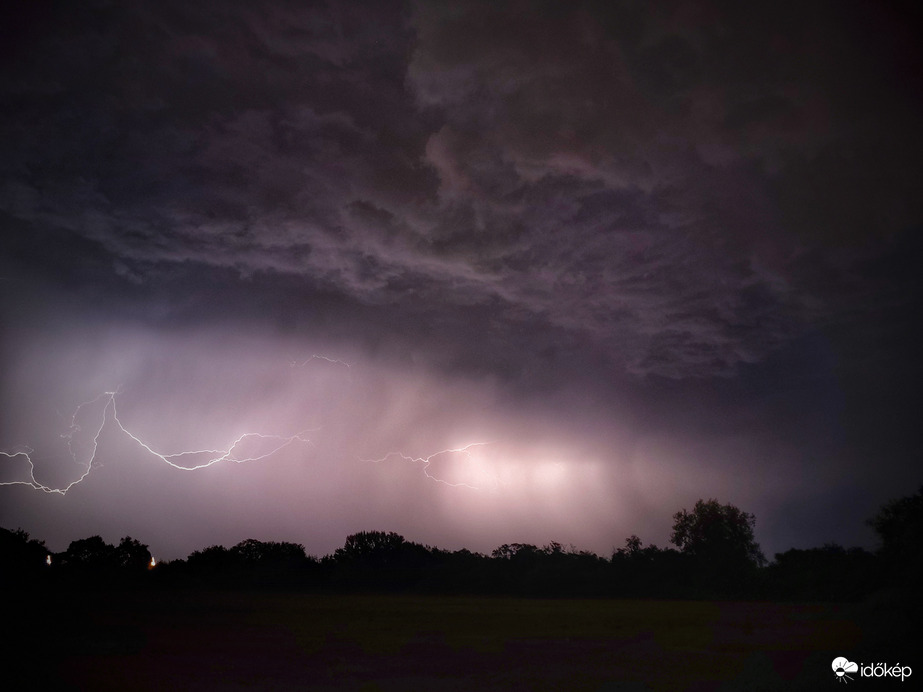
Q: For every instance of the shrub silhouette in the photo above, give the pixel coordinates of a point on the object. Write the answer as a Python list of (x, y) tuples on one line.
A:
[(829, 573)]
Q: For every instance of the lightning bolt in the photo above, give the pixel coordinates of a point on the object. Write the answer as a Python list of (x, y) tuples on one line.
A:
[(426, 461), (332, 361), (110, 412), (186, 460)]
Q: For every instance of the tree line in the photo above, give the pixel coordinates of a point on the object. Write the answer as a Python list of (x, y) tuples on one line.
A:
[(713, 555)]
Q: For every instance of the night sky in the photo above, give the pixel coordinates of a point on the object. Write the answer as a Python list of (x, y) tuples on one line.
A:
[(635, 253)]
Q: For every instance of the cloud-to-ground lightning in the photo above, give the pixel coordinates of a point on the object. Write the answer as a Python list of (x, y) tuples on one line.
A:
[(428, 460), (110, 412)]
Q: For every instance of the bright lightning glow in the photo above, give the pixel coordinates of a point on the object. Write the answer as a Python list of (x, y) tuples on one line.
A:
[(426, 461), (110, 412)]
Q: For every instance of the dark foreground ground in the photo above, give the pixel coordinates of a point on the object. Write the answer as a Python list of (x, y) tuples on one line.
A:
[(196, 640)]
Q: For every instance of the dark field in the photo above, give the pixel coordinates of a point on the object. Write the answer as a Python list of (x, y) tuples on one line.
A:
[(240, 640)]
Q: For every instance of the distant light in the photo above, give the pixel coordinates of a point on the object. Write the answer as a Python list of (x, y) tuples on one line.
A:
[(153, 563), (48, 559)]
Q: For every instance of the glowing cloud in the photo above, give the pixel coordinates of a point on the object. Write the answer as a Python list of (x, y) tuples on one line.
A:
[(429, 460)]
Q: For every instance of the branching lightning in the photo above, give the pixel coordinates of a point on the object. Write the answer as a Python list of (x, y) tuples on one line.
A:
[(84, 454), (110, 412), (427, 461)]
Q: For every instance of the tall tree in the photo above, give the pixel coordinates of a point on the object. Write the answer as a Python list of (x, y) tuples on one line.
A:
[(719, 540), (899, 525), (132, 554)]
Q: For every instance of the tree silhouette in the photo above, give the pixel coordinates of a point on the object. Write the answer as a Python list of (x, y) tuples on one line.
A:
[(132, 554), (21, 557), (717, 557), (649, 571), (91, 553), (270, 553), (380, 559), (633, 547), (523, 553), (899, 525), (828, 573), (719, 541), (371, 547), (213, 559)]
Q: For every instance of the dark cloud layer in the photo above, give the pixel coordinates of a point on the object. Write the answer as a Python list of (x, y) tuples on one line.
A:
[(704, 215), (625, 175)]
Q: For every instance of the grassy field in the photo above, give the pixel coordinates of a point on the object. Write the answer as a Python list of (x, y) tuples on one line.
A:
[(241, 641)]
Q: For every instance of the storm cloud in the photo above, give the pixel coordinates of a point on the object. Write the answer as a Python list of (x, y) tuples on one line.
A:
[(677, 241)]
